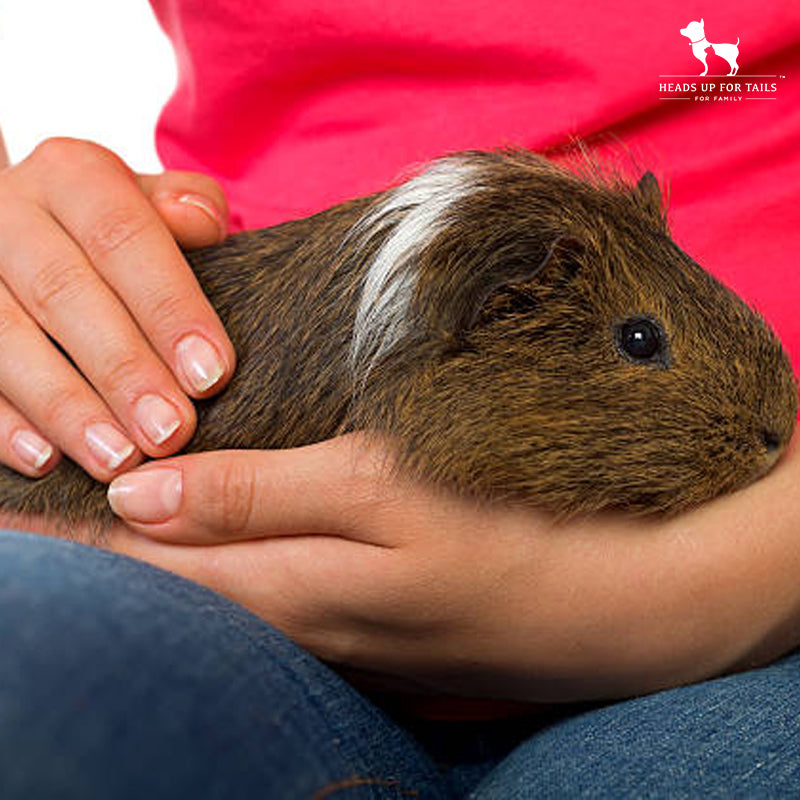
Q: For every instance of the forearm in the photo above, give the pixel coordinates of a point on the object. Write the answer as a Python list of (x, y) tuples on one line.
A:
[(625, 606)]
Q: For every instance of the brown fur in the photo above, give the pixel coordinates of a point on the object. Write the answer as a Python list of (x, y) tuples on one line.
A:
[(510, 384)]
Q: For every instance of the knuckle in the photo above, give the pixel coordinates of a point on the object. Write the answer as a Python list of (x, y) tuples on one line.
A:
[(62, 160), (230, 501), (52, 151), (61, 407), (370, 489), (114, 230), (12, 319), (122, 370), (56, 281), (58, 151), (64, 151), (164, 309)]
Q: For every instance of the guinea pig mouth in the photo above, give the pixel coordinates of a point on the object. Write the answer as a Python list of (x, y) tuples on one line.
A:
[(773, 450), (771, 440)]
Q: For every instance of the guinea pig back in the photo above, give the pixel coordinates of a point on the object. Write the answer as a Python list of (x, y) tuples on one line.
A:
[(521, 333)]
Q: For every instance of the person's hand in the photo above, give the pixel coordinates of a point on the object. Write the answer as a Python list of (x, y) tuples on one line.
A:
[(89, 266), (432, 593)]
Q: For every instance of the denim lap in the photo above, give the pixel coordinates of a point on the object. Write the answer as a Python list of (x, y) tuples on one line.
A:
[(733, 737), (119, 680)]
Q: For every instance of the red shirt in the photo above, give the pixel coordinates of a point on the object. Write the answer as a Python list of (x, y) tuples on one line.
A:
[(295, 106)]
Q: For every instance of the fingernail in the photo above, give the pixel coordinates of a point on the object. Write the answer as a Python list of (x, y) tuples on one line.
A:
[(157, 418), (152, 495), (200, 362), (31, 448), (207, 207), (107, 444)]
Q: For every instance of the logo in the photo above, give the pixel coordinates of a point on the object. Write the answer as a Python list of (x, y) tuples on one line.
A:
[(754, 87), (696, 34)]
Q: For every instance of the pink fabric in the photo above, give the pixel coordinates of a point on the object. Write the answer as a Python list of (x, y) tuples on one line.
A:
[(295, 106)]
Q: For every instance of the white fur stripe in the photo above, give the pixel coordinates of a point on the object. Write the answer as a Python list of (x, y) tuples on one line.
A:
[(416, 212)]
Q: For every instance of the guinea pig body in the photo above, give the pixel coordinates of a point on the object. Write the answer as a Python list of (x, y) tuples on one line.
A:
[(520, 333)]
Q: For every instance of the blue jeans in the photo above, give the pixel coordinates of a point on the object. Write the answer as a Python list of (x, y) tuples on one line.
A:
[(118, 680)]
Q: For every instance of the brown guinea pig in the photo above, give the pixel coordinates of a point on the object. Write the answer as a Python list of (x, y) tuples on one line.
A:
[(521, 333)]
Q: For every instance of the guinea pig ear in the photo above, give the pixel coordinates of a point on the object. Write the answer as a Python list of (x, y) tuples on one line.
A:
[(513, 291), (647, 195)]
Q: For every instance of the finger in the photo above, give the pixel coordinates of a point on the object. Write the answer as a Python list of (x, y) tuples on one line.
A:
[(300, 584), (22, 446), (192, 205), (45, 388), (129, 245), (328, 488), (51, 276)]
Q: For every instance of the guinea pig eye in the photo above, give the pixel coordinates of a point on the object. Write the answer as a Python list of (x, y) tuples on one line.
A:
[(642, 339)]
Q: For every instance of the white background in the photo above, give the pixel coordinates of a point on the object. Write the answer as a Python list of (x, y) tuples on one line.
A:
[(94, 69)]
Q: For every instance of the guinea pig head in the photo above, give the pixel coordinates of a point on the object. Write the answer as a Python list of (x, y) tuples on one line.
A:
[(559, 349)]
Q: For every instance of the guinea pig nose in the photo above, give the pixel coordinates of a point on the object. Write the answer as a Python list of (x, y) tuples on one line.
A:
[(771, 440)]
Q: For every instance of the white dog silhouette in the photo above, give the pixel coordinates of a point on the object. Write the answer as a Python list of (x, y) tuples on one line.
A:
[(697, 36)]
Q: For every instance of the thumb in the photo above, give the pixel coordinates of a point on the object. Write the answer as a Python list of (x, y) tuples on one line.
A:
[(328, 488), (192, 205)]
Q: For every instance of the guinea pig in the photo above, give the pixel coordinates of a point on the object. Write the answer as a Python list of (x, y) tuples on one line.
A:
[(520, 332)]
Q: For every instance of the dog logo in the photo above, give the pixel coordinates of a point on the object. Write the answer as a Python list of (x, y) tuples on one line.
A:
[(696, 34)]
